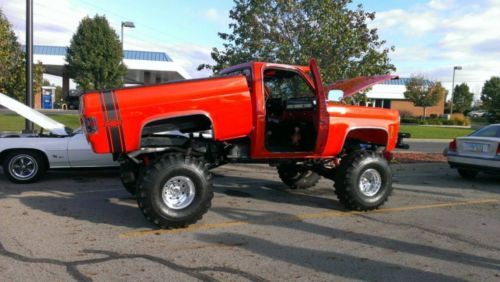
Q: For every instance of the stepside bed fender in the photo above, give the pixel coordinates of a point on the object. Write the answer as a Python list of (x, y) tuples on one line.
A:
[(188, 121)]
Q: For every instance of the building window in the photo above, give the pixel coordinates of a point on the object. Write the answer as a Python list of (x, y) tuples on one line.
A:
[(379, 103)]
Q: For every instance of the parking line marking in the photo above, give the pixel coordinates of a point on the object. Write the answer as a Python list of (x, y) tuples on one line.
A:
[(300, 217)]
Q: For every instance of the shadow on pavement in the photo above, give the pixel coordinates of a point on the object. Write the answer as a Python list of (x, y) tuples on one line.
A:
[(107, 256), (301, 256), (276, 191)]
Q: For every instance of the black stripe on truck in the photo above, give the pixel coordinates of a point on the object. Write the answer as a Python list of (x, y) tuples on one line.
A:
[(112, 122)]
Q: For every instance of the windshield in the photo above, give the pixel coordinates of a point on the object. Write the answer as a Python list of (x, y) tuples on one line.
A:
[(488, 131)]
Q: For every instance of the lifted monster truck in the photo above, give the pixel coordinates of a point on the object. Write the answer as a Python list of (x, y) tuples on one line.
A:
[(168, 136)]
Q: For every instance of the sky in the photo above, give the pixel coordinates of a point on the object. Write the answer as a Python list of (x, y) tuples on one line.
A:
[(429, 36)]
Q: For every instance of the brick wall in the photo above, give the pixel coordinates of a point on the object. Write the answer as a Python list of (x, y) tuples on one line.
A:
[(406, 108)]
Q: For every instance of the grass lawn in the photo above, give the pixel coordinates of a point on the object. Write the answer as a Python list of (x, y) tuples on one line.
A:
[(14, 122), (431, 132)]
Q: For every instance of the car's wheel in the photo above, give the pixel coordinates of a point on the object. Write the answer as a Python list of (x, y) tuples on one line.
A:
[(128, 175), (297, 177), (363, 181), (468, 174), (475, 116), (175, 191), (24, 166)]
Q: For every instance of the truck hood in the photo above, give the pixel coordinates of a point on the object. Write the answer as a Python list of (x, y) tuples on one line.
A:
[(357, 84), (28, 113)]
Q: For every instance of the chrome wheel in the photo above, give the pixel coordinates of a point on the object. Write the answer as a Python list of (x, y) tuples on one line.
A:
[(23, 167), (178, 192), (370, 182)]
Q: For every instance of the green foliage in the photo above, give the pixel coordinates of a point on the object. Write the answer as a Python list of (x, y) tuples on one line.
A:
[(463, 121), (95, 55), (38, 70), (13, 64), (423, 93), (462, 98), (491, 97), (293, 31), (14, 122), (12, 78), (434, 132)]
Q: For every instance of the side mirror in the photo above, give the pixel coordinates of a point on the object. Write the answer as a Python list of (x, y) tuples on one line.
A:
[(335, 95)]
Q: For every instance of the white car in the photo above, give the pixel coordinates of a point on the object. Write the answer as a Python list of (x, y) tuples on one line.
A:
[(26, 157), (476, 114), (479, 151)]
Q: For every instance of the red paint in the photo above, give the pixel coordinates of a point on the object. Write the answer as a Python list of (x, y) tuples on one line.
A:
[(236, 108)]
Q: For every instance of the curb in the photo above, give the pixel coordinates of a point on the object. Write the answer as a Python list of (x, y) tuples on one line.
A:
[(410, 140)]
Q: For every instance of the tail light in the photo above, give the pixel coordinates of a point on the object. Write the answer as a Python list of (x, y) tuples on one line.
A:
[(498, 150), (90, 125), (453, 145)]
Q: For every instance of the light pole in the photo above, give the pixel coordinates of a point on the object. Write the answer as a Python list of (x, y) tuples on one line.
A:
[(28, 126), (126, 24), (455, 68)]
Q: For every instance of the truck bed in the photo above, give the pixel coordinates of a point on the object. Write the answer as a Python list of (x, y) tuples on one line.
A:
[(121, 114)]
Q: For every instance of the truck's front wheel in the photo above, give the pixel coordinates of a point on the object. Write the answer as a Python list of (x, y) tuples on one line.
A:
[(363, 180), (175, 191), (297, 177)]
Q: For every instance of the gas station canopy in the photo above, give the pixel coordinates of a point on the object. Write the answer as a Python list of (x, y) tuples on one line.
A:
[(144, 67)]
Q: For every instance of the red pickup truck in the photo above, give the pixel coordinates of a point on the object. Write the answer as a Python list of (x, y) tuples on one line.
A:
[(168, 136)]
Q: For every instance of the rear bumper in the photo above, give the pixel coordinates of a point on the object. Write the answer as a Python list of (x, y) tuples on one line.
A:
[(473, 163)]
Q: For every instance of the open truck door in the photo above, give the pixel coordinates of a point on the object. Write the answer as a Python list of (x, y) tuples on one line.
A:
[(322, 112)]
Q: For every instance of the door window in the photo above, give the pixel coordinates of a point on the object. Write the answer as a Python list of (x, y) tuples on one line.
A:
[(286, 85)]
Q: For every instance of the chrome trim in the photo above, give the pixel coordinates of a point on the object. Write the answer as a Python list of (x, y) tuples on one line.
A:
[(178, 192)]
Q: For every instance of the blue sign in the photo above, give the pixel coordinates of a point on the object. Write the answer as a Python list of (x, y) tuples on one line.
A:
[(47, 101)]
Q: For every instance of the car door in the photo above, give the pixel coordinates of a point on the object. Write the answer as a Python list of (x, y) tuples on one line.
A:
[(80, 153)]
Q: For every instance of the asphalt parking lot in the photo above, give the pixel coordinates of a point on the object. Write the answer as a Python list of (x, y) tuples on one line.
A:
[(84, 226)]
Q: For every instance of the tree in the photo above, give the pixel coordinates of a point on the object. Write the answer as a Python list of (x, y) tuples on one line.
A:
[(292, 31), (12, 78), (13, 64), (491, 97), (38, 70), (424, 93), (95, 56), (462, 98)]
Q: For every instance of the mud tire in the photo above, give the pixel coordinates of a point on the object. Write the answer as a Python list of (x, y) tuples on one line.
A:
[(151, 187), (348, 180)]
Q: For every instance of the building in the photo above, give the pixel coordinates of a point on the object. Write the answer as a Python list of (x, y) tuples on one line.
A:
[(390, 95), (144, 67)]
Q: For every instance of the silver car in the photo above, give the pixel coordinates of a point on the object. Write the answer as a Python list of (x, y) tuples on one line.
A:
[(26, 157), (477, 152)]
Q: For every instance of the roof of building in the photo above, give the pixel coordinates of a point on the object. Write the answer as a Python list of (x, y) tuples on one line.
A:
[(127, 54), (402, 81), (391, 89)]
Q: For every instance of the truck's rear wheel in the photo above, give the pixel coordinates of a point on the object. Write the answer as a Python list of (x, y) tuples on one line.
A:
[(297, 177), (128, 175), (175, 191), (363, 181)]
